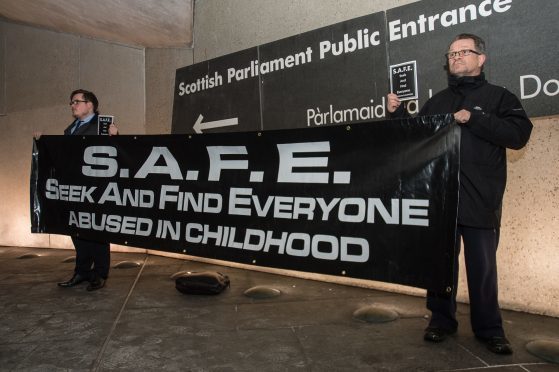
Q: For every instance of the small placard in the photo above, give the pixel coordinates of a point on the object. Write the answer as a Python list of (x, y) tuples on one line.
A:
[(403, 80), (104, 122)]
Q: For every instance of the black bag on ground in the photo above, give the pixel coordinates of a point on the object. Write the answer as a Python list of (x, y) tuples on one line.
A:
[(205, 282)]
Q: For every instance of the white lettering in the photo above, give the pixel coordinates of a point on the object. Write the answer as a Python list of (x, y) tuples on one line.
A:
[(104, 166), (398, 30), (288, 162)]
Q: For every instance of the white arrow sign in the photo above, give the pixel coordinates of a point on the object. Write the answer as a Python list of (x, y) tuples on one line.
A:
[(199, 126)]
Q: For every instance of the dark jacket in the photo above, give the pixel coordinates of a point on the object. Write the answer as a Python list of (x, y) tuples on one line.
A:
[(497, 122), (87, 129)]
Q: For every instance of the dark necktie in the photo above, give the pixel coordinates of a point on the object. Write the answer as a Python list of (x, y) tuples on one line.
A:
[(76, 126)]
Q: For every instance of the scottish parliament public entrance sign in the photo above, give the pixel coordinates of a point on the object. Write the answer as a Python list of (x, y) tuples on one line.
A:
[(340, 73)]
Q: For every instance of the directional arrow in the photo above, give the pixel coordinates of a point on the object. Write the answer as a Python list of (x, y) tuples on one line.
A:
[(199, 126)]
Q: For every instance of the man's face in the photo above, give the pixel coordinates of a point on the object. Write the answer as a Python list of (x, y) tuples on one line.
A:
[(466, 65), (80, 107)]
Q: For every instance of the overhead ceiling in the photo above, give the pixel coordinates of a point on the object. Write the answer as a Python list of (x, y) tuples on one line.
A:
[(146, 23)]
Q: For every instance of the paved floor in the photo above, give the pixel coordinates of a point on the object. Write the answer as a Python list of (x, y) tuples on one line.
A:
[(140, 322)]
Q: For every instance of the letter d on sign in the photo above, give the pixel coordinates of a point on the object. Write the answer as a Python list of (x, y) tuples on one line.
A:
[(523, 94)]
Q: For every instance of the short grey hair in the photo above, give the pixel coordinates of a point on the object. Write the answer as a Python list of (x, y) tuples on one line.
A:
[(478, 41)]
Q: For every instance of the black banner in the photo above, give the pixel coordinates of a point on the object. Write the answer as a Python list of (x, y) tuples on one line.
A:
[(369, 200)]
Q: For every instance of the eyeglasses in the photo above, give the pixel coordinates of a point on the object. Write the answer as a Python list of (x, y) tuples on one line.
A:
[(461, 53), (76, 101)]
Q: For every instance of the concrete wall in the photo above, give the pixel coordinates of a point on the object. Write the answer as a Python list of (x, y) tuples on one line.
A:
[(528, 252), (42, 67), (161, 65), (40, 70)]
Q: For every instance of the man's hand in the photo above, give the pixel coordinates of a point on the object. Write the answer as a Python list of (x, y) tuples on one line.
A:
[(462, 116), (113, 130), (37, 135), (393, 102)]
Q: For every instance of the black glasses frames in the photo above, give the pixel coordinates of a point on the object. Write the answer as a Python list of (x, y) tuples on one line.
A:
[(76, 101), (461, 53)]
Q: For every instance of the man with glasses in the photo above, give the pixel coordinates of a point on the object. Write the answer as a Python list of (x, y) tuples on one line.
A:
[(84, 106), (491, 120), (92, 257)]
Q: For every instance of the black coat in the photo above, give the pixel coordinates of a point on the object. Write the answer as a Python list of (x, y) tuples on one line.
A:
[(88, 129), (497, 122)]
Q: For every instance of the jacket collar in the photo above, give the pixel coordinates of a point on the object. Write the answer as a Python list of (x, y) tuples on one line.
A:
[(465, 83)]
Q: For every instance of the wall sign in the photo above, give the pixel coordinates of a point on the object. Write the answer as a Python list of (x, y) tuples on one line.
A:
[(337, 74)]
